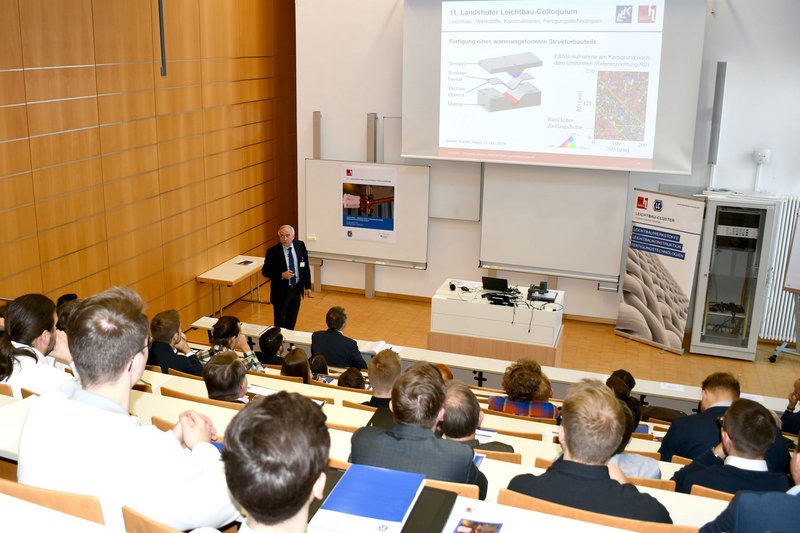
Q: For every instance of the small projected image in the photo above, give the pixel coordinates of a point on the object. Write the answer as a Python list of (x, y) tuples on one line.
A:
[(368, 206), (472, 526), (621, 107)]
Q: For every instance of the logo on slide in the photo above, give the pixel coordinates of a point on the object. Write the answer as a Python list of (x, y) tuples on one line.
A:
[(624, 15), (348, 172), (641, 202), (658, 205), (647, 14)]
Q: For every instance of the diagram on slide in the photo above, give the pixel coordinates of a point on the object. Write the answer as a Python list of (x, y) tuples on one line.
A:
[(621, 109), (517, 92)]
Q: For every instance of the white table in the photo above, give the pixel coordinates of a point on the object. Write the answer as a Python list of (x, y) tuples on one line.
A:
[(232, 272), (466, 322), (22, 515)]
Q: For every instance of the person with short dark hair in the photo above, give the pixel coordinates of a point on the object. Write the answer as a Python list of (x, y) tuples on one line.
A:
[(271, 344), (286, 265), (463, 416), (28, 349), (692, 436), (318, 367), (275, 454), (737, 463), (351, 378), (410, 445), (383, 370), (225, 377), (590, 431), (295, 364), (66, 298), (226, 334), (338, 350), (106, 449), (790, 421), (169, 348), (521, 382), (633, 464)]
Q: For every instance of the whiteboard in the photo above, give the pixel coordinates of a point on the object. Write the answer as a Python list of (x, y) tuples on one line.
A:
[(455, 185), (326, 233), (554, 221), (791, 280)]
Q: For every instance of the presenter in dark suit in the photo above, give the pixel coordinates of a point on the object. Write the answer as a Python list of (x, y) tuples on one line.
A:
[(286, 265)]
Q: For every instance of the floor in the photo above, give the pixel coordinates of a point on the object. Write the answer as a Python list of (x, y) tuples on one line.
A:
[(587, 346)]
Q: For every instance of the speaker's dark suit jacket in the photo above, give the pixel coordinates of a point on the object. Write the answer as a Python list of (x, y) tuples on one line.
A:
[(710, 471), (163, 355), (416, 449), (275, 265), (756, 512), (337, 349), (691, 436)]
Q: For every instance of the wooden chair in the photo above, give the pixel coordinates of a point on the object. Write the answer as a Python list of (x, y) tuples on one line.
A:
[(80, 505), (643, 436), (486, 391), (153, 368), (144, 387), (508, 457), (341, 427), (139, 523), (320, 399), (541, 462), (27, 393), (354, 405), (550, 421), (166, 391), (162, 423), (173, 372), (660, 422), (273, 367), (521, 434), (462, 489), (275, 376), (677, 459), (8, 469), (663, 484), (699, 490), (5, 389), (338, 464), (509, 497), (651, 455), (331, 385)]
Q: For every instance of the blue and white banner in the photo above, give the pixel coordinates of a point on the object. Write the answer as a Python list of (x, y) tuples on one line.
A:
[(660, 267)]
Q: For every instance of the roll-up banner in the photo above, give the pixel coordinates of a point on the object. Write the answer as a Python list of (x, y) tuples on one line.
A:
[(660, 268)]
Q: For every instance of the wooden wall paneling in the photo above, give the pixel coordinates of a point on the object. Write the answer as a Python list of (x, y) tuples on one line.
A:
[(68, 238), (155, 306), (180, 125), (131, 189), (20, 254), (254, 196), (10, 36), (12, 87), (123, 30), (127, 135), (178, 99), (124, 77), (129, 162), (120, 107), (68, 177), (15, 157), (186, 270), (180, 200), (21, 283), (129, 217), (85, 286), (144, 265), (224, 185), (13, 122), (150, 287), (225, 207), (187, 295), (258, 153), (223, 163), (56, 33), (129, 245), (63, 209), (180, 150), (237, 68), (260, 173), (223, 229), (16, 190), (181, 28), (180, 174), (190, 221), (185, 246), (63, 147), (75, 266), (58, 83), (62, 115), (180, 74), (258, 26), (219, 28)]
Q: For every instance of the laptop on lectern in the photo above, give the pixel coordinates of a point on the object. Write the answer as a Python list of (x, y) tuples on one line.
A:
[(495, 284)]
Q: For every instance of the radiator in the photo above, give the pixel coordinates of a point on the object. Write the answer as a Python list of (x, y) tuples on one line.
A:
[(778, 323)]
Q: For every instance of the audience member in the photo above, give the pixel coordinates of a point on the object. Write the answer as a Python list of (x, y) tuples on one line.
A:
[(226, 334), (295, 364), (545, 390), (318, 367), (31, 336), (337, 349), (626, 377), (410, 445), (275, 454), (169, 348), (351, 378), (691, 436), (590, 431), (521, 383), (63, 311), (633, 464), (226, 378), (622, 391), (102, 451), (383, 370), (444, 370), (789, 419), (463, 416), (756, 512), (737, 463), (65, 298), (271, 344)]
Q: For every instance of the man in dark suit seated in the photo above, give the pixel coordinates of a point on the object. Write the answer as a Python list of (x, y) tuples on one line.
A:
[(748, 430), (463, 416), (225, 377), (169, 348), (755, 512), (591, 429), (790, 419), (337, 349), (691, 436), (410, 445), (383, 371)]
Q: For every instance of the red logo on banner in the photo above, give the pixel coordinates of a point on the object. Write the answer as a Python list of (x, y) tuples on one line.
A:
[(647, 14), (641, 202), (348, 172)]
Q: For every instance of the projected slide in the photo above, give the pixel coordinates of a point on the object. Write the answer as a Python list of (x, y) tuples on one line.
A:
[(567, 82)]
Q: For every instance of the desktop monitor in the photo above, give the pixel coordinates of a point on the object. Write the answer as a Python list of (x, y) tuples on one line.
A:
[(495, 284)]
